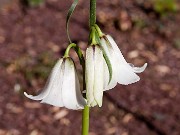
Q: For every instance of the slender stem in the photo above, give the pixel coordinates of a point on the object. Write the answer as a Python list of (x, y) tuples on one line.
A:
[(85, 121), (92, 12), (92, 37), (66, 54), (85, 113)]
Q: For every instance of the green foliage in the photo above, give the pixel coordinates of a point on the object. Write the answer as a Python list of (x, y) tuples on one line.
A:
[(165, 6), (34, 3), (139, 23), (177, 43)]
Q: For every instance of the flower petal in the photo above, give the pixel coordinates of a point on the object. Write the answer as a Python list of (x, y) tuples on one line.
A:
[(138, 69), (54, 96), (89, 75), (93, 104), (98, 75), (71, 94), (109, 51), (51, 82), (80, 98), (116, 50), (126, 75)]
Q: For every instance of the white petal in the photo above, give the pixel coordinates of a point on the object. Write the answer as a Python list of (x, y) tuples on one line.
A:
[(138, 69), (71, 94), (116, 50), (93, 104), (113, 82), (81, 100), (89, 75), (106, 75), (54, 96), (98, 76), (51, 82), (126, 75), (109, 51)]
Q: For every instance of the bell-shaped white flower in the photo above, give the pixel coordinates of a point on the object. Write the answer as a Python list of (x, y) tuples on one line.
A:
[(94, 76), (62, 88), (122, 72)]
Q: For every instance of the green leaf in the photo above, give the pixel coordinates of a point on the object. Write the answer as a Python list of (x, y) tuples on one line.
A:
[(70, 12), (108, 64), (35, 3)]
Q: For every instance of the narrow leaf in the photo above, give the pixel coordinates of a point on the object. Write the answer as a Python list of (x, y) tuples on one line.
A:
[(70, 12)]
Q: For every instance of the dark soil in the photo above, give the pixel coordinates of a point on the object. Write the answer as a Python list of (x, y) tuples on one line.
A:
[(32, 39)]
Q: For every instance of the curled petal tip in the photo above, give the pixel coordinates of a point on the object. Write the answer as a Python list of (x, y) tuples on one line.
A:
[(140, 69), (126, 75), (25, 93), (28, 96)]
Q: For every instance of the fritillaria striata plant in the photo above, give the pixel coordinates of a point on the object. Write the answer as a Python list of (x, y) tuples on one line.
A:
[(103, 67)]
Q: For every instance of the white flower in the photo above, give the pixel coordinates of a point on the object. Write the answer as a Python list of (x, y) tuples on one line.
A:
[(62, 88), (122, 72), (94, 76)]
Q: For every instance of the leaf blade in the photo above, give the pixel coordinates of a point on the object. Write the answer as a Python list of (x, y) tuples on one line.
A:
[(70, 12)]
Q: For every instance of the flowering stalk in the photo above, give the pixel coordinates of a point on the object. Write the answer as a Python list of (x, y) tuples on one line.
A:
[(66, 54), (92, 20), (85, 114)]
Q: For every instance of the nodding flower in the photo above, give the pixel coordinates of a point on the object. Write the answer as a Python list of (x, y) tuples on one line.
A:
[(122, 72), (62, 88), (94, 75)]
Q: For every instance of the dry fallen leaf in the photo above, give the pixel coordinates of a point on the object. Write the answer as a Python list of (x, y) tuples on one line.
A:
[(65, 121), (165, 87), (125, 133), (127, 118), (14, 108), (92, 133), (54, 47), (111, 131), (133, 54), (60, 114), (151, 56), (162, 69), (3, 132), (32, 105)]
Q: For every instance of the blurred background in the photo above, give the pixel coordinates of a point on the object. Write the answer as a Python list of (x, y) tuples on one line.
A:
[(33, 37)]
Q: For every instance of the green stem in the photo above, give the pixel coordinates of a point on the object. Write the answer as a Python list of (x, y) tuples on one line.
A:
[(80, 55), (66, 54), (85, 121), (92, 37), (92, 12), (100, 34), (85, 113)]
